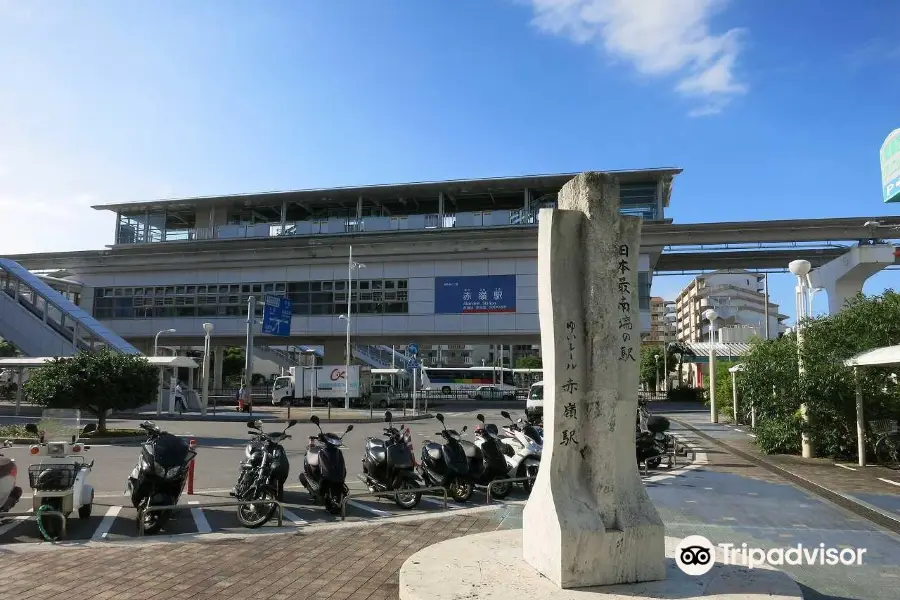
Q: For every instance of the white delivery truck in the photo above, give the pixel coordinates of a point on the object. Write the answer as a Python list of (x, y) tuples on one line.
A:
[(325, 383)]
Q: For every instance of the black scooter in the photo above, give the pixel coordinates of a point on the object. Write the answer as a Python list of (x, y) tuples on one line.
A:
[(389, 465), (652, 445), (446, 465), (487, 461), (324, 471), (159, 476), (262, 475)]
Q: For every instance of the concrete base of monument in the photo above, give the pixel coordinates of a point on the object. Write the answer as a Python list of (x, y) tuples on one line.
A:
[(490, 566)]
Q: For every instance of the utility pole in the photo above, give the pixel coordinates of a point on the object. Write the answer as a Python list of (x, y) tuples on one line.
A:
[(766, 310), (248, 353)]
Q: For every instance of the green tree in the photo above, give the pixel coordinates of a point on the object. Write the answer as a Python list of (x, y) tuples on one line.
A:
[(7, 350), (650, 367), (233, 363), (771, 379), (529, 362), (97, 382)]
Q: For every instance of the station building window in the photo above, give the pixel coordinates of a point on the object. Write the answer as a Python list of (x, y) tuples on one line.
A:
[(369, 296)]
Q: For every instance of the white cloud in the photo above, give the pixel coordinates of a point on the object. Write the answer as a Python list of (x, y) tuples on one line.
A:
[(657, 37)]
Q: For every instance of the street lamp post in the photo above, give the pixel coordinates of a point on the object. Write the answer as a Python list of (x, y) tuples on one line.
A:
[(711, 315), (156, 340), (350, 266), (204, 401), (656, 362), (801, 269)]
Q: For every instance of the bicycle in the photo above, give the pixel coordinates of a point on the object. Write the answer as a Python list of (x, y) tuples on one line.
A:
[(887, 444)]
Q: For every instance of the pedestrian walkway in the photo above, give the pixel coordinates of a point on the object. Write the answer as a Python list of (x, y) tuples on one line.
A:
[(872, 487)]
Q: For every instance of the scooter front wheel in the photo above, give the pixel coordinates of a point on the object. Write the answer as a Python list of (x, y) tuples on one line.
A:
[(406, 497), (258, 514), (501, 490), (333, 500), (461, 489)]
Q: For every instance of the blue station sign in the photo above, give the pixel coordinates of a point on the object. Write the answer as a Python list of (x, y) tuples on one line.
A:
[(475, 294)]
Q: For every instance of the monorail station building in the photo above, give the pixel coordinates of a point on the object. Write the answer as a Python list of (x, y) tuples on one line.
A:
[(450, 265)]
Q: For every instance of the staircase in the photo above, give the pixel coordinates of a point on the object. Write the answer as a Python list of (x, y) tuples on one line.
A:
[(42, 322), (377, 357)]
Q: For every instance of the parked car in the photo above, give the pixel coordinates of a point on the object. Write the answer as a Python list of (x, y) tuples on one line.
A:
[(490, 392), (534, 406)]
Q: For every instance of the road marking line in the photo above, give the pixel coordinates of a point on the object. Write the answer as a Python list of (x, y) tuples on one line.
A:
[(844, 467), (440, 502), (15, 522), (199, 518), (285, 513), (753, 435), (889, 481), (374, 511), (739, 430), (106, 524)]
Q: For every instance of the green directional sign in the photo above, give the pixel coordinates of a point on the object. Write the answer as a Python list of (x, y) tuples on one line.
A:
[(890, 167)]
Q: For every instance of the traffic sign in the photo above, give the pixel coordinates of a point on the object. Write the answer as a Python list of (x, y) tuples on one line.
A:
[(412, 365), (277, 313), (412, 348)]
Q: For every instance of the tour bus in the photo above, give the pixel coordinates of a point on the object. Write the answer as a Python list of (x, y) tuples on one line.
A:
[(449, 380)]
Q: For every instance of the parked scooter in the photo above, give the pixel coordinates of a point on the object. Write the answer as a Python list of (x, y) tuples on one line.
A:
[(324, 471), (159, 477), (389, 465), (652, 445), (10, 493), (487, 461), (524, 444), (59, 481), (262, 475), (446, 465)]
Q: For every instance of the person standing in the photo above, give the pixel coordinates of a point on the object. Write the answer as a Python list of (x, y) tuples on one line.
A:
[(179, 399)]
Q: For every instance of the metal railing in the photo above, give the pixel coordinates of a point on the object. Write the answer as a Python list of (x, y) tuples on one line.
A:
[(176, 507), (491, 485), (33, 515), (389, 494)]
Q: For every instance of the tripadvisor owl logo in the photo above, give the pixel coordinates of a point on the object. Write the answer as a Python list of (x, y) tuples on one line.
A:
[(696, 555)]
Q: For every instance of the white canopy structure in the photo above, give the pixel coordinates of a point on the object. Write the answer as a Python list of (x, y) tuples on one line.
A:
[(879, 357)]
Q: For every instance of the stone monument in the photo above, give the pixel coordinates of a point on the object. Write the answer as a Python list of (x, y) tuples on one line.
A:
[(589, 520)]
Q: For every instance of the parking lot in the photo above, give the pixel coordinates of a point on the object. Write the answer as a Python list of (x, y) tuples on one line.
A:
[(220, 449)]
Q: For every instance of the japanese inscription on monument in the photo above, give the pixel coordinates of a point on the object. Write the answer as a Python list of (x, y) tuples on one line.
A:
[(570, 387), (626, 352)]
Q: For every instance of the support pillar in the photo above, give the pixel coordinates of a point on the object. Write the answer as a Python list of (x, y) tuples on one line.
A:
[(20, 384), (589, 520), (333, 352), (844, 277), (218, 358)]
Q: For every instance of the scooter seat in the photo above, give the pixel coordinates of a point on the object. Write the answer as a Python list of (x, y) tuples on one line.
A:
[(374, 443)]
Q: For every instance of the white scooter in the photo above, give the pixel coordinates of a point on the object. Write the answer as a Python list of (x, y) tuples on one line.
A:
[(9, 491), (525, 443), (59, 480)]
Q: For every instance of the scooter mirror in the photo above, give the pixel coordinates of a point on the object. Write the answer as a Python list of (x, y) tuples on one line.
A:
[(504, 414), (90, 428), (349, 428), (480, 417), (251, 424), (464, 428), (388, 417), (31, 428), (291, 423), (314, 419), (440, 418)]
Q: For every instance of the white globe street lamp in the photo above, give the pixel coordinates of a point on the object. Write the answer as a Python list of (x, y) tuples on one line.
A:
[(711, 315), (801, 269)]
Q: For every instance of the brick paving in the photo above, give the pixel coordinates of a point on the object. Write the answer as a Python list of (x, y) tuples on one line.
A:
[(348, 563)]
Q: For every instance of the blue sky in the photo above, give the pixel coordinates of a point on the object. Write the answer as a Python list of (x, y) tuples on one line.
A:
[(773, 110)]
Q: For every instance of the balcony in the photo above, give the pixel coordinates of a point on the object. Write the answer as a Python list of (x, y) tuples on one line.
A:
[(136, 230)]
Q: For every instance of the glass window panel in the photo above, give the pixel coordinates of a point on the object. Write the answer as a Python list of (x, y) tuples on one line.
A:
[(327, 286), (340, 285), (377, 284), (315, 286), (257, 288)]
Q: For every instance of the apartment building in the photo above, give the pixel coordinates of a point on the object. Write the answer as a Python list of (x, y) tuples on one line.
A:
[(739, 301), (662, 329)]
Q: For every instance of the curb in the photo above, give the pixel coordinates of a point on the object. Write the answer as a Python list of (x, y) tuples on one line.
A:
[(268, 419), (135, 439), (857, 507)]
